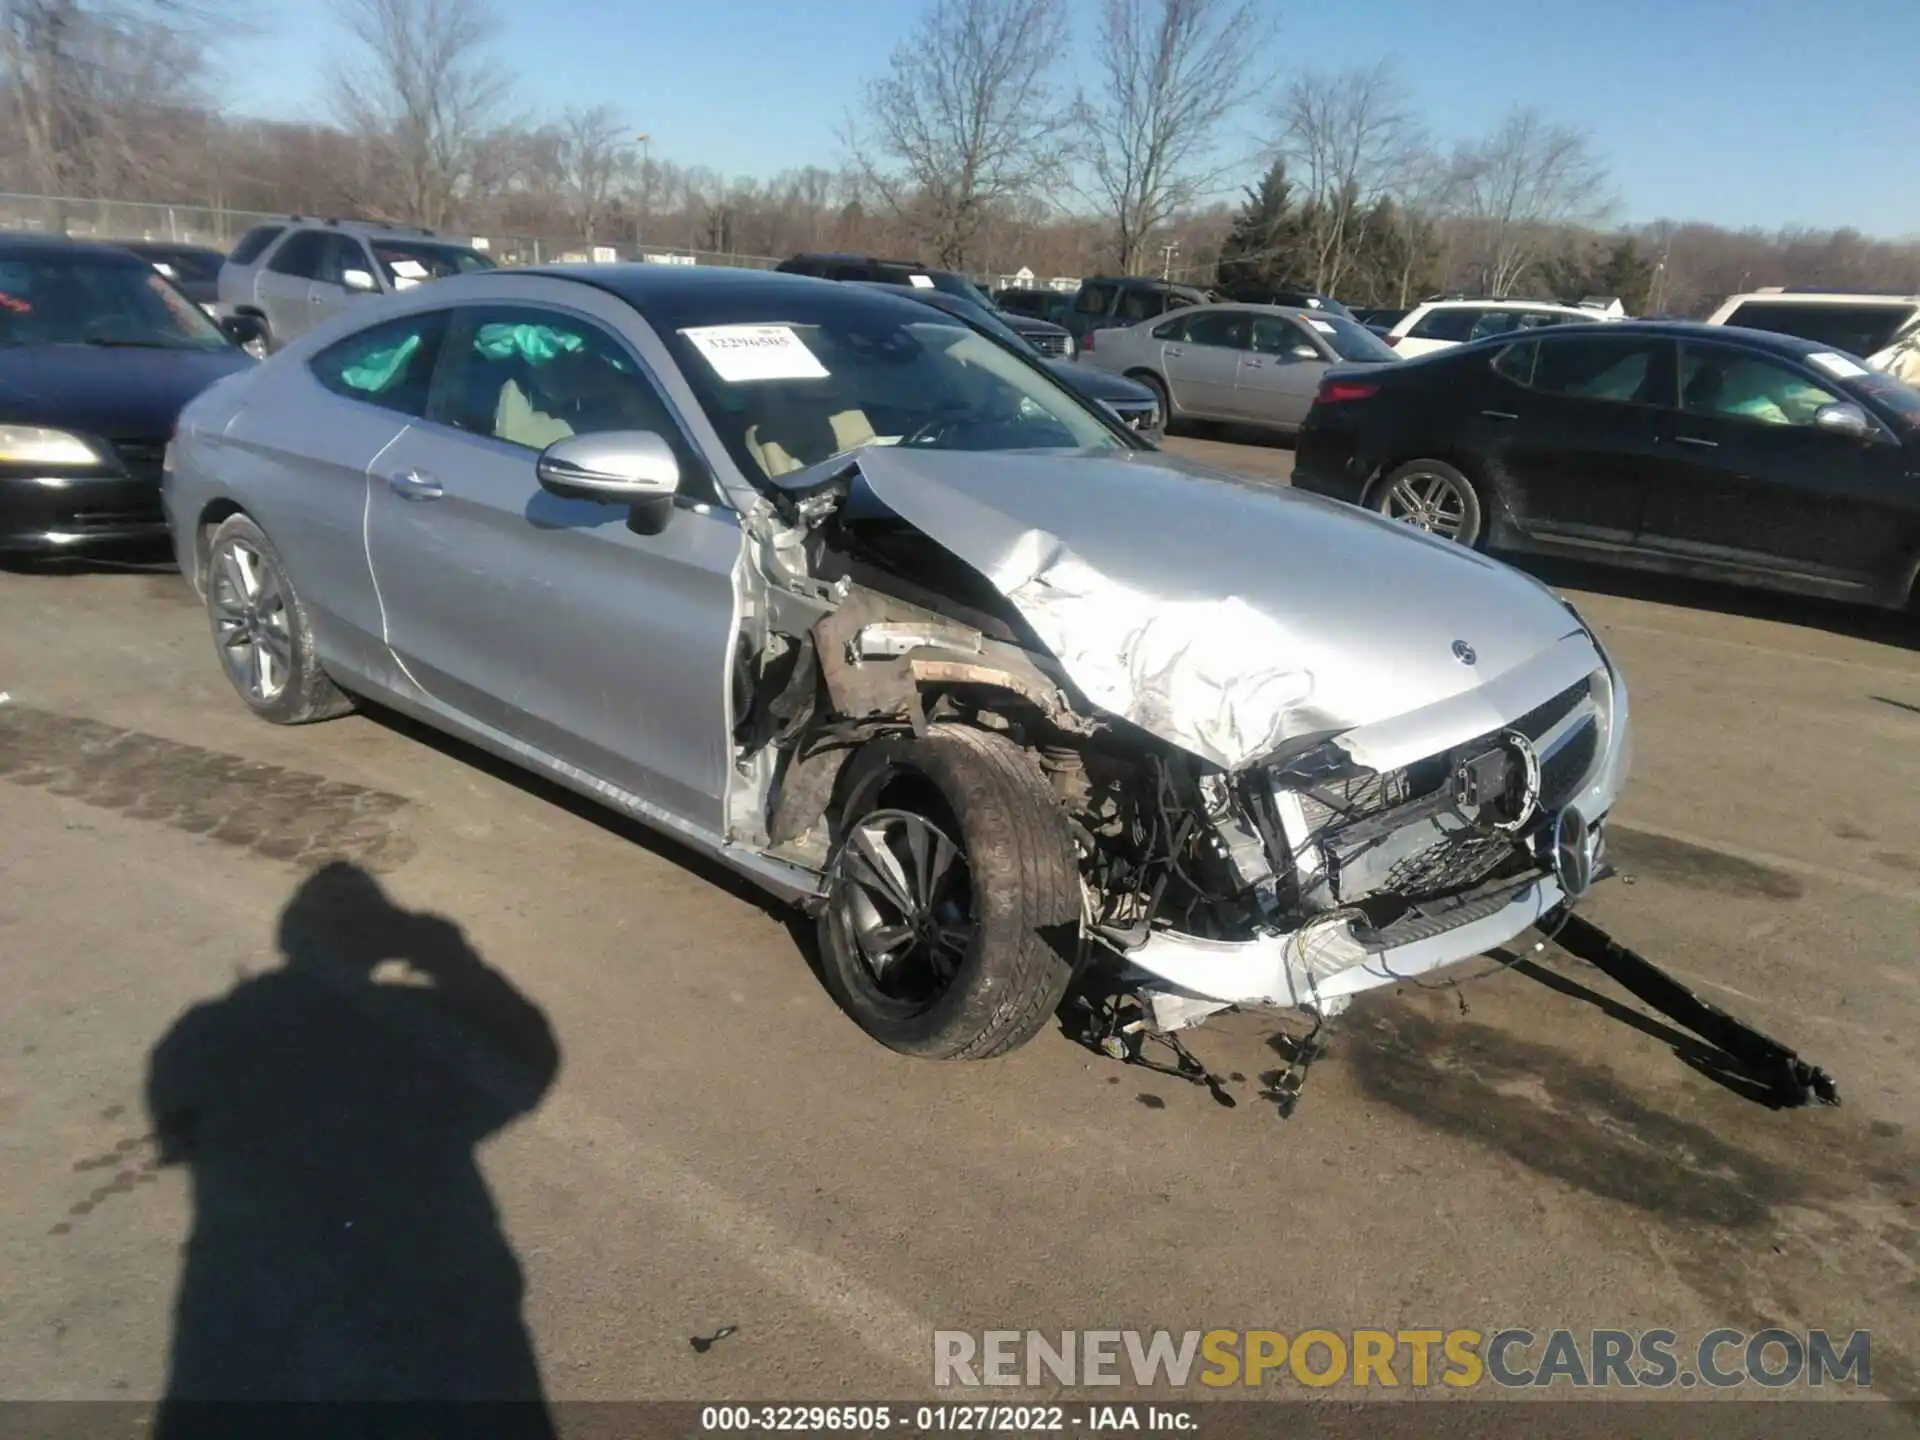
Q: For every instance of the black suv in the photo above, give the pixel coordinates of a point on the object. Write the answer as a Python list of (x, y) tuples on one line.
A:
[(1049, 339), (1109, 301)]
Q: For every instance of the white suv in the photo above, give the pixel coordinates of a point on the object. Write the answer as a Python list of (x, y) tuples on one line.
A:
[(1883, 330), (1440, 324)]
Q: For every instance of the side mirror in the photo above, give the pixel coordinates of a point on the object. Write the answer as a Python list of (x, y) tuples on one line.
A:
[(635, 468), (359, 282), (1843, 417), (246, 331), (1304, 352)]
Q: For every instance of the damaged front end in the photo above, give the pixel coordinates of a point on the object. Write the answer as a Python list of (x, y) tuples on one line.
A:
[(1278, 790)]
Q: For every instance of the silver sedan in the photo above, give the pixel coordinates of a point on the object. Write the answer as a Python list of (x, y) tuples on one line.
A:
[(1244, 364), (845, 593)]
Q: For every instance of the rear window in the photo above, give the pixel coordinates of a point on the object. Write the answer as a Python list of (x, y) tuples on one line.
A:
[(1350, 341), (1855, 328), (1454, 325), (253, 242)]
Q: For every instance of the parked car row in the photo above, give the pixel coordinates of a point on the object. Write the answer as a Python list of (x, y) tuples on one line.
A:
[(858, 595)]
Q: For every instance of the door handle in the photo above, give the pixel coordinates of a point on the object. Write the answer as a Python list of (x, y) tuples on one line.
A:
[(1499, 415), (415, 485), (1253, 362), (1700, 440), (1175, 350)]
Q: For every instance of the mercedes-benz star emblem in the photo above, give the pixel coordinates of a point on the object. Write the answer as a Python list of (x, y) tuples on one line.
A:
[(1463, 652)]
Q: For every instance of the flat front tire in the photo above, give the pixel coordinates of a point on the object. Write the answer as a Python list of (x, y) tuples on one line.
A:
[(1434, 496), (952, 922), (261, 631)]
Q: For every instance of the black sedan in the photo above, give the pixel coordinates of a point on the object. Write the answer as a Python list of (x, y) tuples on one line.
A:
[(1709, 451), (98, 353)]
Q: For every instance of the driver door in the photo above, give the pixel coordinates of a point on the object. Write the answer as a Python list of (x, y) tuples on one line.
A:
[(1203, 366), (546, 620)]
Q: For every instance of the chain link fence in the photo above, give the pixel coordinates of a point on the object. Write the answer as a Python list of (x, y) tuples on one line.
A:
[(129, 220)]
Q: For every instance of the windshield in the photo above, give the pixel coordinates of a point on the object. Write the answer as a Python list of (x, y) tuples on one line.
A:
[(408, 262), (817, 378), (1894, 395), (71, 299), (1350, 339), (949, 283), (184, 264), (1856, 329)]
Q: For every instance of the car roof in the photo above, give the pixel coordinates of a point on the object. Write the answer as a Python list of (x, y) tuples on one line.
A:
[(1291, 312), (1789, 345), (643, 286), (27, 246), (1887, 298), (1502, 305), (168, 247)]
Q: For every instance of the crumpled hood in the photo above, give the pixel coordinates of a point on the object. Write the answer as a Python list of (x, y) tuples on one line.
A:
[(1224, 616)]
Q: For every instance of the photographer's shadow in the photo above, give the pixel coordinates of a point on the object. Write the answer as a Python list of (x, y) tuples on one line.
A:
[(345, 1245)]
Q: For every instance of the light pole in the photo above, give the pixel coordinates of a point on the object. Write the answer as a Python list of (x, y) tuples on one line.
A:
[(646, 186)]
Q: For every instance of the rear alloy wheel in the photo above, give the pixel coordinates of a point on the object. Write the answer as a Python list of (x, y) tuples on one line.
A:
[(260, 629), (1431, 495), (951, 924)]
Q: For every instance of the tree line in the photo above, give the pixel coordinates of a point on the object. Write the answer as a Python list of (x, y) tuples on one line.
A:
[(967, 150)]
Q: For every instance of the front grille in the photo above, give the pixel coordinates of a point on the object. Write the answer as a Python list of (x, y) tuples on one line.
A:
[(1563, 770), (142, 458), (1055, 345), (1451, 865), (1543, 717)]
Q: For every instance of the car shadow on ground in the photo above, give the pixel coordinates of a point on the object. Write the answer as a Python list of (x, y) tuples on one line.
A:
[(1861, 622), (345, 1246), (155, 559)]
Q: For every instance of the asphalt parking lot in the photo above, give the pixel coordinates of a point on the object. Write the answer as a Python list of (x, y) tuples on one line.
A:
[(632, 1121)]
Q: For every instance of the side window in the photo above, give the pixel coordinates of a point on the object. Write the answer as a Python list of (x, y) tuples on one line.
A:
[(1729, 385), (253, 242), (1174, 329), (1600, 367), (529, 376), (1142, 304), (302, 256), (1495, 322), (1093, 299), (1515, 362), (1274, 336), (344, 253), (1224, 328), (1454, 325), (388, 365)]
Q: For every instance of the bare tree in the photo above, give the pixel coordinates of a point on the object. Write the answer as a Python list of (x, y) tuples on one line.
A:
[(593, 155), (1527, 177), (1173, 73), (1350, 140), (419, 86), (963, 120)]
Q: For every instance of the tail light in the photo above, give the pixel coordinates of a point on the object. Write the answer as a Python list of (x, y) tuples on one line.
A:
[(1086, 343), (1393, 342), (1342, 392)]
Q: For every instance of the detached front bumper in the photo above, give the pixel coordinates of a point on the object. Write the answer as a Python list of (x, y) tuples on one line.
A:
[(1334, 956)]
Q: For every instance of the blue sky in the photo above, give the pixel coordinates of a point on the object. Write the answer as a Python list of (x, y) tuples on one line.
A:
[(1743, 112)]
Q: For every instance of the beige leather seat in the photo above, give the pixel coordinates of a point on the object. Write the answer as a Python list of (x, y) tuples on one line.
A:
[(790, 435)]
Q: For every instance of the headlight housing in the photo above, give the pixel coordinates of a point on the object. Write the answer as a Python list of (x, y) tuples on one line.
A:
[(37, 445)]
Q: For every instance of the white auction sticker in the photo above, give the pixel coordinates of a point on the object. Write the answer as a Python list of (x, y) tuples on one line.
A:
[(756, 352), (409, 269), (921, 282), (1837, 365), (1321, 326)]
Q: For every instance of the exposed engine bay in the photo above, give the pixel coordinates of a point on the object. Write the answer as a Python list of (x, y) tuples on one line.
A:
[(1290, 879)]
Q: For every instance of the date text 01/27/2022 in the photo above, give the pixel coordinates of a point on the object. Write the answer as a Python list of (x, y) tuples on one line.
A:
[(943, 1419)]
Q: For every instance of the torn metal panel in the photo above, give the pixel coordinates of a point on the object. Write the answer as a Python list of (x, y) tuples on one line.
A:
[(1257, 615)]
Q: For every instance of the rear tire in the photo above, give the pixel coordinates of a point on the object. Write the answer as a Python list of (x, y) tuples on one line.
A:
[(952, 922), (1433, 496), (261, 631)]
